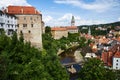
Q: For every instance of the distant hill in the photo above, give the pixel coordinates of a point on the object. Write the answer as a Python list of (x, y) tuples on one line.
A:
[(114, 24), (100, 29)]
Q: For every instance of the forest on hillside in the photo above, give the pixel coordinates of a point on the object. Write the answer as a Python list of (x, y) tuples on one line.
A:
[(107, 27)]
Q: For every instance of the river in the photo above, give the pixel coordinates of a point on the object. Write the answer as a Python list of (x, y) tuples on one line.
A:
[(70, 58)]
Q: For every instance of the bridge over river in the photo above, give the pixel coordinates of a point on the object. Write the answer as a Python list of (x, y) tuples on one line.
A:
[(72, 63)]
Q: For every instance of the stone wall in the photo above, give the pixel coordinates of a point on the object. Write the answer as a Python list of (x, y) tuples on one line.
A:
[(31, 28)]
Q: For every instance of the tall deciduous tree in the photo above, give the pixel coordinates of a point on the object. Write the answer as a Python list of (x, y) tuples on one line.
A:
[(20, 61), (94, 69)]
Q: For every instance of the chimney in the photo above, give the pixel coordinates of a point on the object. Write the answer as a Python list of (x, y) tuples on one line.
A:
[(7, 10), (21, 10), (35, 11)]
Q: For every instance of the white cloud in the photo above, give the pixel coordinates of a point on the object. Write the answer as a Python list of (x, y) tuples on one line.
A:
[(97, 5), (88, 22), (47, 18), (5, 3), (66, 16), (65, 20), (119, 19)]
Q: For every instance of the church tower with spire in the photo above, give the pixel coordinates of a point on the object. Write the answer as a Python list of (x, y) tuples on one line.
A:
[(73, 21)]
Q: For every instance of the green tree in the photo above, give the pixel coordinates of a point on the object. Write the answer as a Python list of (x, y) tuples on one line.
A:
[(93, 69), (82, 42), (20, 61), (47, 29)]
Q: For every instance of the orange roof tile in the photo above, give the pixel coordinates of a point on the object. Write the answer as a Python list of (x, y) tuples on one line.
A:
[(117, 54), (72, 27), (21, 10), (58, 29)]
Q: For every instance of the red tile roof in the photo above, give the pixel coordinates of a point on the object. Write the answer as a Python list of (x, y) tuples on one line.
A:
[(113, 52), (64, 28), (58, 29), (21, 10), (117, 54), (71, 27)]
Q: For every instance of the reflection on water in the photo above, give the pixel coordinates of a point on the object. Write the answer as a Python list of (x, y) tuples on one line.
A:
[(77, 67), (67, 59)]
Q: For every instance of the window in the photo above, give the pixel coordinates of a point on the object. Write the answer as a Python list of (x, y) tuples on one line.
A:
[(17, 18), (24, 18), (8, 25), (1, 25), (29, 31), (31, 25), (17, 25), (24, 25), (116, 63), (116, 67), (116, 60), (37, 17), (30, 18), (21, 32), (12, 26)]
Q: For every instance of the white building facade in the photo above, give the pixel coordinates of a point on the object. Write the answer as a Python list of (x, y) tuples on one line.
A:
[(116, 63), (8, 23)]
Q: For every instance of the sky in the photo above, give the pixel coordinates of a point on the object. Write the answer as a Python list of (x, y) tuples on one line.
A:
[(60, 12)]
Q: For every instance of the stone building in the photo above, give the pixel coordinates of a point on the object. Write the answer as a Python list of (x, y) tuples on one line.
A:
[(8, 23), (62, 31), (111, 57), (29, 23), (116, 60), (59, 32), (72, 29)]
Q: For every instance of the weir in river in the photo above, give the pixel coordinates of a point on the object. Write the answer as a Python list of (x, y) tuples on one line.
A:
[(72, 60)]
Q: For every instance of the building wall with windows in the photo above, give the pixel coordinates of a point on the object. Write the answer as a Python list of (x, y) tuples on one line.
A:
[(72, 29), (116, 60), (116, 63), (8, 22), (29, 23), (59, 32)]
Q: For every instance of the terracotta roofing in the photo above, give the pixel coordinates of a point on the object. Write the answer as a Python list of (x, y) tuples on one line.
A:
[(58, 29), (71, 27), (117, 54), (21, 10)]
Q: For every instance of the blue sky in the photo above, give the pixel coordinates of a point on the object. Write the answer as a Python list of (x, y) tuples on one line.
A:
[(86, 12)]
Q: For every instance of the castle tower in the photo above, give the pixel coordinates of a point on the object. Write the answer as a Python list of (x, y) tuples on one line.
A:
[(73, 21), (29, 23)]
